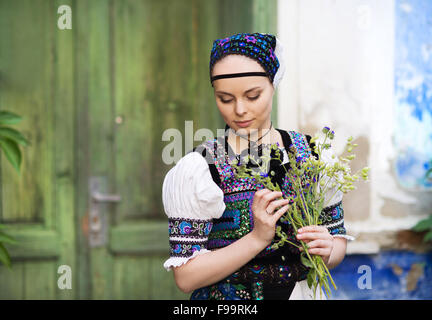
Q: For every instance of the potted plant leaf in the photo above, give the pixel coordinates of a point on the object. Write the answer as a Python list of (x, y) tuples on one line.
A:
[(425, 225), (10, 139)]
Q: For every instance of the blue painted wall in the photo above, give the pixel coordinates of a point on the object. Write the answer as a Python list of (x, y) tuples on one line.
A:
[(413, 92), (402, 274), (390, 276)]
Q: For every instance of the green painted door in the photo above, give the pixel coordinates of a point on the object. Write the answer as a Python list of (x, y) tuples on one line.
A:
[(38, 206), (96, 101)]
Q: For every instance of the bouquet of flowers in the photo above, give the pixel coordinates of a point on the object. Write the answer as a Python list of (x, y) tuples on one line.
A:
[(315, 182)]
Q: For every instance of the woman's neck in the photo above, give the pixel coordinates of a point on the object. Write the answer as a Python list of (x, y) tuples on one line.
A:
[(238, 143)]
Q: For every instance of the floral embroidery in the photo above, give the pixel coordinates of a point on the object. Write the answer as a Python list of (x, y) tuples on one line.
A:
[(189, 227), (187, 236), (258, 46), (333, 218), (185, 248)]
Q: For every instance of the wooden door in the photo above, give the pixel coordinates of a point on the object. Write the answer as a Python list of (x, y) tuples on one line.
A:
[(38, 206), (96, 101)]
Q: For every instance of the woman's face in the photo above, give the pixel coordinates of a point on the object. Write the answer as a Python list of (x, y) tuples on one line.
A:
[(243, 98)]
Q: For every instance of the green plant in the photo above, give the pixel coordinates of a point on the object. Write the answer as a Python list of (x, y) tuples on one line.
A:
[(4, 254), (10, 139), (424, 225), (310, 187), (429, 172)]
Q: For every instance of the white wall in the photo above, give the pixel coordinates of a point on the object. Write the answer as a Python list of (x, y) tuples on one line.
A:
[(339, 72)]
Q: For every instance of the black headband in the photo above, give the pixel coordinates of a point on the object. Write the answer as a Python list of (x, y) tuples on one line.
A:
[(234, 75)]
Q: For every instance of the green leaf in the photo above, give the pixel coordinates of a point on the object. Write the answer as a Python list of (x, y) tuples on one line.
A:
[(13, 135), (7, 117), (423, 225), (4, 256), (428, 236), (12, 152), (239, 286), (429, 173), (311, 278), (306, 262), (7, 239)]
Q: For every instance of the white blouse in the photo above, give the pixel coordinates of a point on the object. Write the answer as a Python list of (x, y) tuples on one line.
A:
[(189, 192)]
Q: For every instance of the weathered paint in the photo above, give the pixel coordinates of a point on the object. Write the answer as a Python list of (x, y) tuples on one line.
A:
[(340, 77), (95, 101), (413, 93), (394, 275)]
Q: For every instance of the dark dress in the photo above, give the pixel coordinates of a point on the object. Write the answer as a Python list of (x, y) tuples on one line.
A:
[(273, 273)]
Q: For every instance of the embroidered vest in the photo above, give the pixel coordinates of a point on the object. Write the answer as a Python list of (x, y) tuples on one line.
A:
[(237, 219), (272, 265)]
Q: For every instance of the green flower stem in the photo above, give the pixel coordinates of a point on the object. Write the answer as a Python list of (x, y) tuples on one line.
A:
[(307, 201), (329, 275), (295, 245), (310, 258), (301, 199), (323, 144), (332, 196)]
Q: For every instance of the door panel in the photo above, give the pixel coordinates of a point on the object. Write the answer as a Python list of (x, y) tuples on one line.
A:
[(95, 101), (36, 74)]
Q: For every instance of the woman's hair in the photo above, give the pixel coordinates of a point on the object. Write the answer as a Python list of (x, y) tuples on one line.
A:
[(264, 48)]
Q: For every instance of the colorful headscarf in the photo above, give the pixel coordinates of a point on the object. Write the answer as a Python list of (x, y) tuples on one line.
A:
[(265, 48)]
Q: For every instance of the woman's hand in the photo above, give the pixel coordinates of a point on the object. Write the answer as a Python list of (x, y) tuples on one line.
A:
[(318, 239), (263, 207)]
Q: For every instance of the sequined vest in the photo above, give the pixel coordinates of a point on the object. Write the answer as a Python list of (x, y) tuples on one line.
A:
[(274, 266)]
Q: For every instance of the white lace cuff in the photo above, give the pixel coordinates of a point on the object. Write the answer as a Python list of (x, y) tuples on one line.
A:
[(178, 261)]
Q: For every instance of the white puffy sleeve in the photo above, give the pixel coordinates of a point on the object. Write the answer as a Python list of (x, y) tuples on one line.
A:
[(191, 199), (333, 213)]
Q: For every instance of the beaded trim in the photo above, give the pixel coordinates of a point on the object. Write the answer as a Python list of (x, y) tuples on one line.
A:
[(300, 144), (237, 219), (333, 218), (189, 227), (185, 249), (249, 282), (187, 236), (258, 46)]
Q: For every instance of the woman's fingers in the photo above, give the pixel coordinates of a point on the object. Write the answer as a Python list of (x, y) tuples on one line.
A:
[(276, 204), (262, 192), (324, 252), (264, 200), (280, 212), (313, 228), (271, 196), (319, 243), (313, 236)]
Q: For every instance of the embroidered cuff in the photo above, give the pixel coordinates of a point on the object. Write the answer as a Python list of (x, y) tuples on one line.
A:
[(333, 218), (189, 228), (187, 239)]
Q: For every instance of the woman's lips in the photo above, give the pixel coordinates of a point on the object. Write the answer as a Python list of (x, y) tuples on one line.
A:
[(243, 124)]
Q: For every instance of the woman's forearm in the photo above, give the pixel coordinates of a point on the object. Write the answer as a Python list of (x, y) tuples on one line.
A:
[(216, 265), (338, 252)]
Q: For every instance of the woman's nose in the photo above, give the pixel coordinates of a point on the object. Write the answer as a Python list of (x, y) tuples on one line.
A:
[(240, 108)]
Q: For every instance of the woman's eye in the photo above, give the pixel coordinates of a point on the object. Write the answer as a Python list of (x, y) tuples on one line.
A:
[(225, 101), (254, 98)]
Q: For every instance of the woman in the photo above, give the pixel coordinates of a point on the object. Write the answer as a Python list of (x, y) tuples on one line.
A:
[(222, 228)]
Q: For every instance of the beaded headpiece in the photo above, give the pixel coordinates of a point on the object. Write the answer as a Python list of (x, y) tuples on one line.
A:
[(264, 48)]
